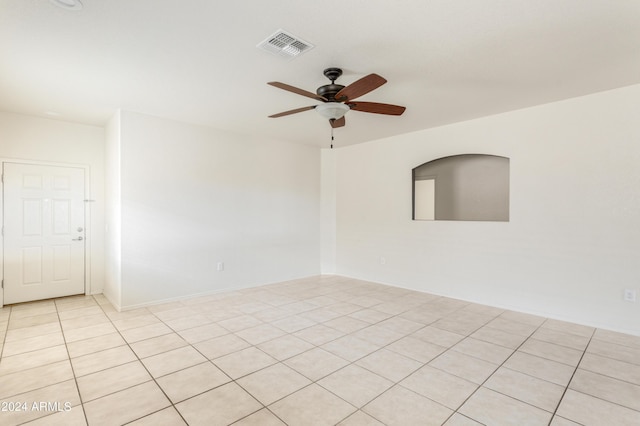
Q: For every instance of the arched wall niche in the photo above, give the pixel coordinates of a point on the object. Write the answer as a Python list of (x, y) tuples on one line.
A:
[(470, 187)]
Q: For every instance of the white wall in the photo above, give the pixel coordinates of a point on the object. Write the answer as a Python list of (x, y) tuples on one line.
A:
[(573, 242), (328, 212), (113, 213), (194, 196), (30, 138)]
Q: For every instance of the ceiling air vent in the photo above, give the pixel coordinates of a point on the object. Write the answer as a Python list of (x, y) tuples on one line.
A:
[(284, 44)]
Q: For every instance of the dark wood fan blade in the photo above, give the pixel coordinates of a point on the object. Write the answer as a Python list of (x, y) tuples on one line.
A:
[(377, 108), (293, 111), (358, 88), (297, 91), (340, 122)]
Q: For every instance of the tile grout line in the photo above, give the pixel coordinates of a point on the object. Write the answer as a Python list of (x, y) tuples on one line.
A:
[(68, 359), (572, 376), (397, 383), (208, 360), (450, 348), (271, 365), (73, 371), (105, 369), (212, 363), (148, 372), (314, 346), (6, 331), (315, 382), (491, 375), (583, 352), (350, 363), (278, 361), (369, 325), (75, 379), (513, 350)]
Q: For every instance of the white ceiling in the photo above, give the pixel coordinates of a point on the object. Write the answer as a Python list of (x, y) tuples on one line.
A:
[(196, 60)]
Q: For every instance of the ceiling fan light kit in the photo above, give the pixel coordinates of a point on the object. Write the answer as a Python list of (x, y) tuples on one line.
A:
[(338, 99), (332, 110)]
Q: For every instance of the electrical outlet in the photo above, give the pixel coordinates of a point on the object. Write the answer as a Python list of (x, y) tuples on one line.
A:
[(383, 261), (220, 266), (629, 295)]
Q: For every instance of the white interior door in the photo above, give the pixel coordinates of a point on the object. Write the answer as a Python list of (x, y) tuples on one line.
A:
[(44, 232)]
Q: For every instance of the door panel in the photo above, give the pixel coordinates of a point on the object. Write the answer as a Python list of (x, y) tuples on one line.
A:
[(44, 246), (31, 265), (61, 263)]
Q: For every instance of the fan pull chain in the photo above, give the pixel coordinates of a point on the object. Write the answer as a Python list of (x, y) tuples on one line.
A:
[(332, 138)]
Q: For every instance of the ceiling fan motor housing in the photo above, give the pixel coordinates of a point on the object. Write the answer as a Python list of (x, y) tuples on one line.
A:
[(330, 91)]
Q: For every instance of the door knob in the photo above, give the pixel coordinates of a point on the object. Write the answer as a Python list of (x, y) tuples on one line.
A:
[(78, 239)]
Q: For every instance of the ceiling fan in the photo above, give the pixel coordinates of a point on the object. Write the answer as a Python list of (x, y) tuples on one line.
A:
[(338, 99)]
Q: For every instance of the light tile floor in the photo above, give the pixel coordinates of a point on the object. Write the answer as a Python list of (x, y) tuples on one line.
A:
[(316, 351)]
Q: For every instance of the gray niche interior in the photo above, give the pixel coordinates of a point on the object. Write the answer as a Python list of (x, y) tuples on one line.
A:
[(473, 187)]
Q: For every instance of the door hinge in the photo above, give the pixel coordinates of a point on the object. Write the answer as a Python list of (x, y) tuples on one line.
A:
[(3, 284)]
